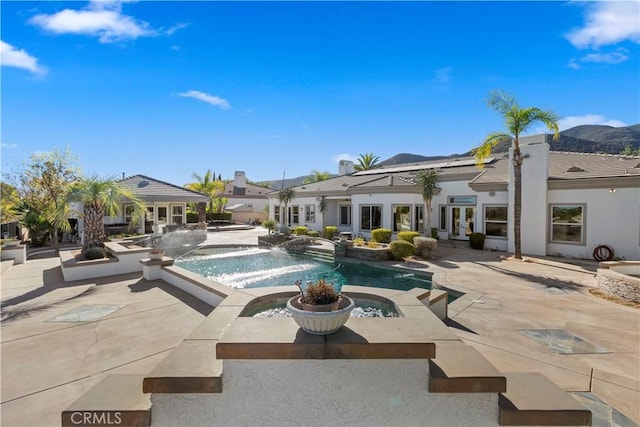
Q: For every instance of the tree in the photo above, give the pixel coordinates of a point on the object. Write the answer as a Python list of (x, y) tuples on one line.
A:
[(367, 161), (323, 206), (317, 176), (100, 197), (41, 184), (516, 120), (427, 181), (630, 151), (284, 197), (9, 200), (208, 185)]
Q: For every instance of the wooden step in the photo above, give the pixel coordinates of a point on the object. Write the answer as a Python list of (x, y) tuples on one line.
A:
[(116, 400), (531, 399), (460, 368)]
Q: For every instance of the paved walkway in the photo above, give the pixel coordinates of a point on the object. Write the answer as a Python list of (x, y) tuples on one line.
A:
[(47, 363)]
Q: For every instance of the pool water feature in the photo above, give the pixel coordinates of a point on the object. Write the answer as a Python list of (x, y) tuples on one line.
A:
[(251, 267)]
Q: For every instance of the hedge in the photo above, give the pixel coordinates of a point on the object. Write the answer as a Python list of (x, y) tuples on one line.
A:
[(329, 231), (401, 249), (381, 235), (408, 235)]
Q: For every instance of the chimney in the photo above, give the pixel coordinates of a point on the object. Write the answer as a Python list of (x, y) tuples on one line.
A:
[(240, 180), (346, 167)]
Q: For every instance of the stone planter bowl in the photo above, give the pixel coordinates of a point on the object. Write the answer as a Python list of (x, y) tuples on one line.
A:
[(155, 256), (321, 323)]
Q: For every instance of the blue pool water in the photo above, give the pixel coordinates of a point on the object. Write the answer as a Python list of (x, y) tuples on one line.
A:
[(258, 267)]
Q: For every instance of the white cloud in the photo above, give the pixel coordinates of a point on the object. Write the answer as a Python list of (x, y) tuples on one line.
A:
[(6, 145), (442, 75), (344, 156), (573, 64), (608, 22), (13, 57), (170, 31), (103, 19), (616, 57), (587, 119), (205, 97)]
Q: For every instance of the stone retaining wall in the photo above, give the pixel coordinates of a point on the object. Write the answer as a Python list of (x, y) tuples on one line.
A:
[(613, 278)]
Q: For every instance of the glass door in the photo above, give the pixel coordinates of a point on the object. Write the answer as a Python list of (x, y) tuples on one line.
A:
[(462, 222)]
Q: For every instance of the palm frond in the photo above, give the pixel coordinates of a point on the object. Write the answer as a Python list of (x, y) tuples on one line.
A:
[(490, 141)]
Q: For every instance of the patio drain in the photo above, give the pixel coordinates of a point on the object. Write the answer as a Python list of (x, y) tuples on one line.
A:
[(87, 313), (562, 341)]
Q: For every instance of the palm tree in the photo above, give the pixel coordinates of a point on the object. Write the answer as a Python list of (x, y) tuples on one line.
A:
[(516, 120), (100, 197), (367, 161), (323, 206), (285, 196), (317, 176), (208, 185), (427, 181)]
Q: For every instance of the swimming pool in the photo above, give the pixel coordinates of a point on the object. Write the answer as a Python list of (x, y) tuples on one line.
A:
[(252, 267)]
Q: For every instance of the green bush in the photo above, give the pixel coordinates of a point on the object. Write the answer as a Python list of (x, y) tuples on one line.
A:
[(401, 249), (476, 241), (300, 230), (329, 231), (434, 233), (408, 235), (381, 235), (313, 233), (269, 224), (218, 216), (94, 252), (192, 217)]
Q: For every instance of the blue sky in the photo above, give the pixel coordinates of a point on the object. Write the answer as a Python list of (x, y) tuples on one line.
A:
[(167, 88)]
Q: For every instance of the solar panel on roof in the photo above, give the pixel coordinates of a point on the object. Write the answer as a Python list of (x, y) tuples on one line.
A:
[(407, 168)]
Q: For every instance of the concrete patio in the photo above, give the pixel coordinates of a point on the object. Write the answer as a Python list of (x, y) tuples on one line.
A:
[(59, 339)]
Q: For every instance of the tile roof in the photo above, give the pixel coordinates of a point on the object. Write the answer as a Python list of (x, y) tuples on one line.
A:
[(251, 191), (153, 190)]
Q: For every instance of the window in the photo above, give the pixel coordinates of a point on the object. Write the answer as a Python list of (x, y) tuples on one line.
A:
[(401, 218), (162, 214), (276, 214), (345, 215), (310, 213), (462, 200), (294, 214), (176, 214), (567, 223), (370, 217), (418, 218), (128, 213), (443, 218), (495, 221)]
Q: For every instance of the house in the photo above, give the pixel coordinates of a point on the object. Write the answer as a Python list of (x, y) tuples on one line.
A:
[(246, 202), (571, 202), (166, 206)]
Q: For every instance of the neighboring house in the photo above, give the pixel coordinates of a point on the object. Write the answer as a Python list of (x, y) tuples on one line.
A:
[(166, 206), (246, 202), (572, 202)]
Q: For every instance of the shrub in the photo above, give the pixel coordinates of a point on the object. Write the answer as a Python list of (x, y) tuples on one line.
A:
[(313, 233), (401, 249), (300, 230), (381, 235), (94, 252), (192, 217), (434, 233), (269, 224), (218, 216), (372, 244), (284, 229), (408, 235), (476, 240), (358, 241), (329, 231), (319, 293), (424, 246)]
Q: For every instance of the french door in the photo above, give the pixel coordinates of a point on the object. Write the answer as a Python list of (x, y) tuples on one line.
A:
[(462, 222)]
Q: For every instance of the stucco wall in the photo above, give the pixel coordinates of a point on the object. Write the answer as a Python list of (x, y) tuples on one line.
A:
[(325, 393)]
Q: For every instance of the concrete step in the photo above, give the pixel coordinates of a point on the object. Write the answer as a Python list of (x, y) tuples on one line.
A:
[(460, 368), (116, 400), (533, 400)]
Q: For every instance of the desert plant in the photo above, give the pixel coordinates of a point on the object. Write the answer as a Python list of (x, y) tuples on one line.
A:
[(476, 240), (269, 224), (313, 233), (424, 246), (381, 235), (329, 231), (401, 249), (318, 293), (408, 235), (94, 252), (372, 244), (427, 181), (301, 230), (358, 241)]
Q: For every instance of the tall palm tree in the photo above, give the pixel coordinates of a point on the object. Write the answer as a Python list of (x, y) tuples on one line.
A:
[(208, 185), (516, 120), (367, 161), (284, 197), (100, 197), (427, 181)]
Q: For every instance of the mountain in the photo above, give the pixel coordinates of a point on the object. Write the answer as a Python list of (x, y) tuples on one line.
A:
[(579, 139)]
